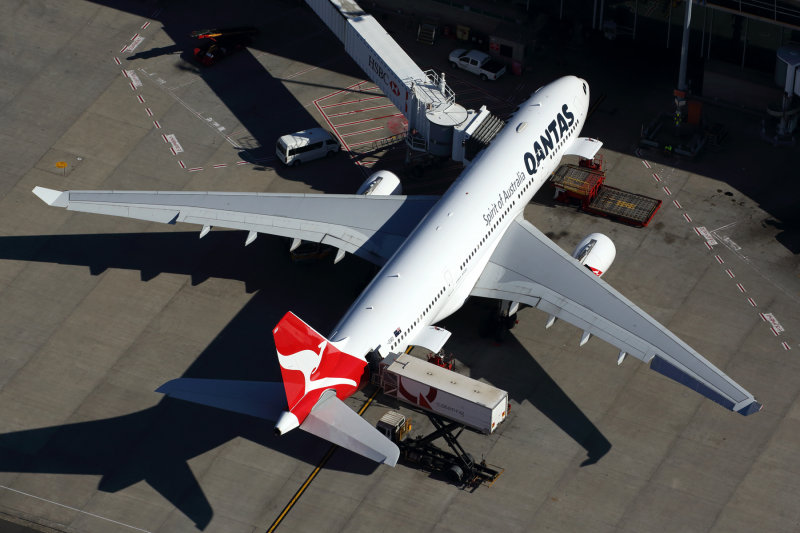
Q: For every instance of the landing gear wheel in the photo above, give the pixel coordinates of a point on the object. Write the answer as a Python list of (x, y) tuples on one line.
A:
[(483, 77)]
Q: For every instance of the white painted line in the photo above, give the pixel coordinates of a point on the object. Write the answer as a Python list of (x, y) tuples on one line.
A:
[(730, 273), (195, 169), (171, 149), (156, 124), (776, 326), (687, 217), (666, 190), (117, 61), (173, 141), (125, 73), (241, 162), (133, 87), (677, 204), (296, 74), (786, 346), (656, 177), (774, 331), (134, 37), (75, 509), (141, 98), (708, 245), (163, 136), (741, 289), (752, 302), (145, 25), (181, 163), (136, 41), (719, 259), (148, 111), (220, 165), (732, 245), (645, 163)]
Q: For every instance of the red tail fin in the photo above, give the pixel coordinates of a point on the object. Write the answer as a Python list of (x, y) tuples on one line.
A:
[(310, 364)]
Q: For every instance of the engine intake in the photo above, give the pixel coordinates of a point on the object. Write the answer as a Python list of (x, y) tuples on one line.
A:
[(596, 252), (381, 183)]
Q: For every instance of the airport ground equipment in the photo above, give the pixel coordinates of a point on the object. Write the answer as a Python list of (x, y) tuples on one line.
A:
[(437, 125), (437, 390), (458, 464), (584, 184), (221, 42), (479, 63)]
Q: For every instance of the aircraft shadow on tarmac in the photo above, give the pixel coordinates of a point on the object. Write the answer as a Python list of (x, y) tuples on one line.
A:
[(155, 444)]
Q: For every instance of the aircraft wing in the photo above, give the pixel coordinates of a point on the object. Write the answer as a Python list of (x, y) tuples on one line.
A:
[(371, 227), (528, 267)]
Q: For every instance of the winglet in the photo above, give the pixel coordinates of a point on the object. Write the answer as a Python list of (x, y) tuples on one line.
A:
[(51, 196)]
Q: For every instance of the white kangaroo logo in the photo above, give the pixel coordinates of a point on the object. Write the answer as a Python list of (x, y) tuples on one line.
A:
[(307, 361)]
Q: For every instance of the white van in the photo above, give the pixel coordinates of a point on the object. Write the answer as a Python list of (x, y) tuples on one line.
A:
[(305, 145)]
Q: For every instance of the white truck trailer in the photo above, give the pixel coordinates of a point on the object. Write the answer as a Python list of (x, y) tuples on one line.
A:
[(434, 389)]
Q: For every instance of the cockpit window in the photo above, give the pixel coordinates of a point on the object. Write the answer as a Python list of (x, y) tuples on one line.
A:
[(584, 88)]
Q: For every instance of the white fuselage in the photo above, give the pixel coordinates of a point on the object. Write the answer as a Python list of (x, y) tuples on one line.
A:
[(433, 272)]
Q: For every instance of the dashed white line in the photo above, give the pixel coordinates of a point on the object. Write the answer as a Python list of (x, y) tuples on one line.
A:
[(148, 111), (645, 163), (195, 169), (752, 302), (117, 61), (141, 98), (729, 272), (666, 190), (719, 259), (182, 164), (786, 346), (677, 204), (687, 217), (145, 25), (655, 176), (156, 124), (741, 289)]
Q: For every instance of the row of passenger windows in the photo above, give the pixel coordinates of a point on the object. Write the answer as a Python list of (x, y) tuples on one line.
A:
[(508, 209), (422, 315)]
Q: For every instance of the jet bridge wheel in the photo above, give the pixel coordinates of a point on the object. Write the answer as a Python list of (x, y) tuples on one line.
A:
[(483, 77), (455, 473)]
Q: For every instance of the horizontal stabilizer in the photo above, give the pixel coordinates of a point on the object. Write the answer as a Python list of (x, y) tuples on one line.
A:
[(332, 420), (262, 399)]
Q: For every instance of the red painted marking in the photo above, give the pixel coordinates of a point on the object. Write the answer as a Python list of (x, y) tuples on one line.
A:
[(719, 259), (117, 61), (646, 163), (752, 302), (666, 190), (774, 331), (125, 73), (786, 346), (133, 87), (140, 97), (678, 205), (220, 165), (156, 124), (741, 289), (173, 150), (730, 273), (762, 317), (134, 37), (698, 232), (362, 131), (367, 120), (338, 92), (123, 48), (163, 136), (708, 245), (360, 110), (195, 169), (145, 25), (241, 162), (181, 163), (370, 141), (353, 101), (149, 111), (687, 217), (656, 176), (335, 131)]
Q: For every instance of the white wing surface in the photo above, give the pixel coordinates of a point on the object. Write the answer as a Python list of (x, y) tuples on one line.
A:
[(371, 227), (528, 267)]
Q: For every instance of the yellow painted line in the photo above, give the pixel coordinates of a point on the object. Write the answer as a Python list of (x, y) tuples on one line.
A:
[(313, 474)]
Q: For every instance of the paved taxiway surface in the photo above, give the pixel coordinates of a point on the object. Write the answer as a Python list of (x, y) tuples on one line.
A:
[(98, 312)]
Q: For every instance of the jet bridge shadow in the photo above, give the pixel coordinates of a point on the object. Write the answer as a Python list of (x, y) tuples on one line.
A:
[(514, 369), (155, 444)]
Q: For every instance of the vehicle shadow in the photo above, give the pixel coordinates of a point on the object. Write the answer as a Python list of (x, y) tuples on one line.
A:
[(155, 444)]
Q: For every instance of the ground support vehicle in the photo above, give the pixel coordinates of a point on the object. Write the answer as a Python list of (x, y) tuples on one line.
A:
[(458, 465), (221, 43), (479, 63), (584, 184)]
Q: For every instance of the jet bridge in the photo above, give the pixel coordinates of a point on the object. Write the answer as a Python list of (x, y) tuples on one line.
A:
[(436, 123)]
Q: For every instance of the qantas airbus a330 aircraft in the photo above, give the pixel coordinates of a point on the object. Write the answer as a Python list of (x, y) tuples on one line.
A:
[(435, 252)]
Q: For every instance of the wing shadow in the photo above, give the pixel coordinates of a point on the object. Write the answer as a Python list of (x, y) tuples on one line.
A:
[(511, 367), (155, 444)]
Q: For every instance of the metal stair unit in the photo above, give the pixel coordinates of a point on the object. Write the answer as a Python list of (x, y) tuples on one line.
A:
[(483, 135)]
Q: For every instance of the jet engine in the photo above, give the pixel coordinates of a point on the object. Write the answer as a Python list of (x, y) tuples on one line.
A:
[(596, 252), (381, 183)]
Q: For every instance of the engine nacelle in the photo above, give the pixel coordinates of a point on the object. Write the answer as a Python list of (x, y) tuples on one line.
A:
[(381, 183), (596, 252)]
